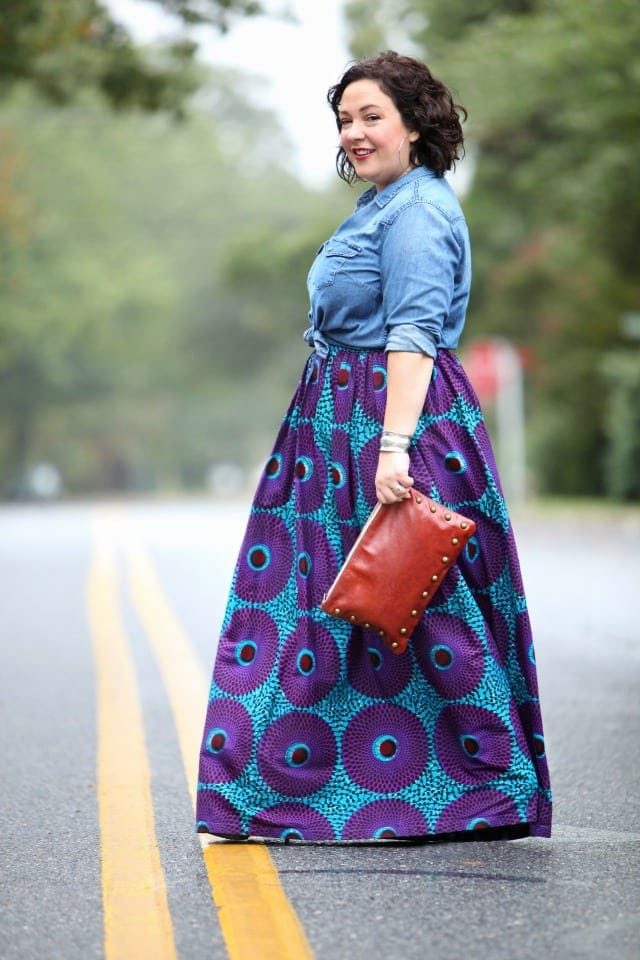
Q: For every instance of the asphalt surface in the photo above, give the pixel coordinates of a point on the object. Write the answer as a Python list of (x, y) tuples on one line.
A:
[(574, 897)]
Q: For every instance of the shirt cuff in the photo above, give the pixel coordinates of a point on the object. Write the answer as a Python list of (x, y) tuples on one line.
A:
[(409, 338)]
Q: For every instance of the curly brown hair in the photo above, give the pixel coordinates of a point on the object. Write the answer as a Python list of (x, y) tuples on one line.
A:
[(423, 102)]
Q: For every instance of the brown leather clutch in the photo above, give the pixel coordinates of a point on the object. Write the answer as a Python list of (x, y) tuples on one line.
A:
[(396, 566)]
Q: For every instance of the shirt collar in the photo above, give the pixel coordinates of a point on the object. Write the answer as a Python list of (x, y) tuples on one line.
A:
[(382, 197)]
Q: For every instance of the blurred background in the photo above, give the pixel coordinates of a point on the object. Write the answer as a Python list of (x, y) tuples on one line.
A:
[(166, 176)]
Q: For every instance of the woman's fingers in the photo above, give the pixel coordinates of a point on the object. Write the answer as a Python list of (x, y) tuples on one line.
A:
[(392, 477), (395, 490)]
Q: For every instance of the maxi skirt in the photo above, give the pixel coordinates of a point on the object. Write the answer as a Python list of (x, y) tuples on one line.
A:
[(314, 730)]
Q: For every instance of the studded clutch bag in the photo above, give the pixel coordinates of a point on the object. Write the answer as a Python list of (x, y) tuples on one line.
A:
[(396, 567)]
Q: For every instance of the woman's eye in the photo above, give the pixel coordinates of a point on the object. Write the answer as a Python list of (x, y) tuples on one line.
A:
[(343, 123), (372, 116)]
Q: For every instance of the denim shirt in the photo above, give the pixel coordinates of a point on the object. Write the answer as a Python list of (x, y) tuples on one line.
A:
[(396, 274)]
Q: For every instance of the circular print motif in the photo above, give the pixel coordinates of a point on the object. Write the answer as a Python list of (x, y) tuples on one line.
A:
[(227, 741), (384, 820), (449, 654), (384, 748), (449, 385), (316, 565), (246, 651), (309, 664), (526, 652), (342, 384), (379, 377), (306, 397), (375, 371), (265, 561), (218, 814), (291, 821), (440, 395), (313, 369), (519, 726), (309, 471), (473, 745), (304, 564), (453, 461), (527, 722), (276, 482), (496, 629), (489, 551), (514, 565), (472, 550), (297, 754), (340, 470), (477, 810), (372, 669)]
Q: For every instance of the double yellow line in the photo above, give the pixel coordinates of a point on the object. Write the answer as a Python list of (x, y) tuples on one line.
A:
[(255, 916)]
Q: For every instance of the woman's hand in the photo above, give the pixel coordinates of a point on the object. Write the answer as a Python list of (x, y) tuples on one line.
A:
[(392, 477), (408, 376)]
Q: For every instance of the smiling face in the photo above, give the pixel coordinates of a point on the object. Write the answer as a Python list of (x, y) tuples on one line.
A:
[(372, 133)]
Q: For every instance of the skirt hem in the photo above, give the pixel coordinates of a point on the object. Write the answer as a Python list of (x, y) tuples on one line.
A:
[(508, 831)]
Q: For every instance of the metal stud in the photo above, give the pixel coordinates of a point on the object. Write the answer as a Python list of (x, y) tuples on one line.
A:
[(432, 508), (434, 577), (352, 618), (368, 626), (425, 593), (464, 525), (455, 541), (418, 499), (447, 516), (414, 613), (395, 645), (445, 559), (381, 633), (337, 610)]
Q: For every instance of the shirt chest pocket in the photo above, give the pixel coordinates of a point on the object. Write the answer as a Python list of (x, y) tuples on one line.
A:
[(332, 257)]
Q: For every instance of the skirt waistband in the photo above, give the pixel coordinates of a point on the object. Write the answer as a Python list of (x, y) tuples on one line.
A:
[(324, 346), (332, 348)]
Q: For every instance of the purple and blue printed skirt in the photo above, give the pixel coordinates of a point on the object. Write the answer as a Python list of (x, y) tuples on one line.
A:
[(314, 730)]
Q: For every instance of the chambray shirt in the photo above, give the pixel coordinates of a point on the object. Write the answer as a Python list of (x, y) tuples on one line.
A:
[(396, 274)]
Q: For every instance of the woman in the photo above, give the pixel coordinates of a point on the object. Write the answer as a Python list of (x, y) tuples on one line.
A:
[(314, 730)]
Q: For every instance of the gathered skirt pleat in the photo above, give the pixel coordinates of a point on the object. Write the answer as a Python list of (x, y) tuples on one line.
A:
[(314, 730)]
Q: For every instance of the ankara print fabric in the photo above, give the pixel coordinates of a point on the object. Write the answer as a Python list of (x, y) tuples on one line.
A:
[(314, 730)]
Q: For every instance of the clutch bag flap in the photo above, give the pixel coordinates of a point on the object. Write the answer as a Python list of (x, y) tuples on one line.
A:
[(396, 566)]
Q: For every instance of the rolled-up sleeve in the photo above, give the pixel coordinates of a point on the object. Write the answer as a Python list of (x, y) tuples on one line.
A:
[(418, 263)]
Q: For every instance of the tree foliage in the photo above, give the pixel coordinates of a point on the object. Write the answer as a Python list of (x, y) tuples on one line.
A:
[(152, 297), (127, 329), (552, 92), (61, 47), (152, 293)]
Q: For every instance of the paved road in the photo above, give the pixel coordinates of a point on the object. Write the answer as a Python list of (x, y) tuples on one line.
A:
[(108, 619)]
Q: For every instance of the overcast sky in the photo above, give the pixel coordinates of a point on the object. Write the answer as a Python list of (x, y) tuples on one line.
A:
[(298, 62)]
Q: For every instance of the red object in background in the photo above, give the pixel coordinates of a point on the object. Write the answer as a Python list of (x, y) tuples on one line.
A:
[(527, 356), (481, 361)]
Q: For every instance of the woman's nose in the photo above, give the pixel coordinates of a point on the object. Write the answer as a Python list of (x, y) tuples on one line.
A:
[(355, 130)]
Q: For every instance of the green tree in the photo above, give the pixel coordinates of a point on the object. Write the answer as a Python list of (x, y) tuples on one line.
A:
[(63, 46), (552, 92), (152, 297), (149, 288), (622, 425)]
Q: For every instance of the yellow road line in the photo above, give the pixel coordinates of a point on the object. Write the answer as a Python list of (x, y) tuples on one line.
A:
[(137, 922), (256, 918)]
